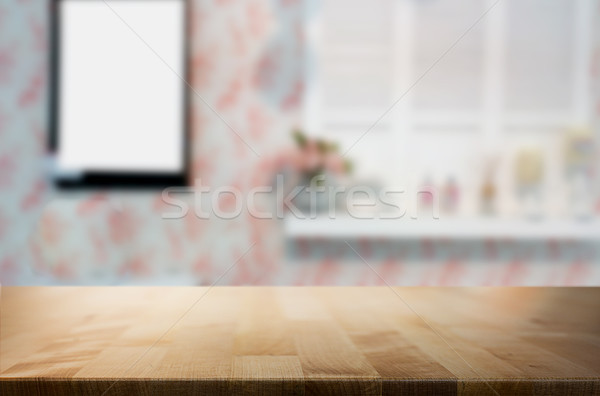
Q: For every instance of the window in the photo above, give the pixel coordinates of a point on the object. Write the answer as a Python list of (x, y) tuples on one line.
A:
[(521, 71)]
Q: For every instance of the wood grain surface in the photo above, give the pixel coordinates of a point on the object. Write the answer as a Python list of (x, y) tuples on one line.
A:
[(288, 341)]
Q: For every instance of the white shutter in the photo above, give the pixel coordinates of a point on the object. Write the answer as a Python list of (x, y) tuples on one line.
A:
[(355, 63)]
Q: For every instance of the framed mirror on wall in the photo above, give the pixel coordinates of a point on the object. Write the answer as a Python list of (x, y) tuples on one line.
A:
[(118, 93)]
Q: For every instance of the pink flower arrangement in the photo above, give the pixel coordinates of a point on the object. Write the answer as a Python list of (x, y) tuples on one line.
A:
[(312, 157)]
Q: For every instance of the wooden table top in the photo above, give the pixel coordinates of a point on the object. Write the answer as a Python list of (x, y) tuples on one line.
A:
[(334, 340)]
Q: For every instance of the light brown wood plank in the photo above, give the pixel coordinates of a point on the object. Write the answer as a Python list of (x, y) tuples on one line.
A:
[(371, 341), (262, 331), (267, 375), (574, 347), (374, 329)]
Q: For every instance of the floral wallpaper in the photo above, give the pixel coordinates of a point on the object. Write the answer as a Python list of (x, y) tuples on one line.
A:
[(247, 63)]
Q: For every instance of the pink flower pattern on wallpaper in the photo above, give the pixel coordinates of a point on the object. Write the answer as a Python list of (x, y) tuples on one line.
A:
[(246, 62)]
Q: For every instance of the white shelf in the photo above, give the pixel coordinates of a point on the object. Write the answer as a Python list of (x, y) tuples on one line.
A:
[(348, 227)]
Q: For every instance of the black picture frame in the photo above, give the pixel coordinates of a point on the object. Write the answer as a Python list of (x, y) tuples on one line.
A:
[(111, 179)]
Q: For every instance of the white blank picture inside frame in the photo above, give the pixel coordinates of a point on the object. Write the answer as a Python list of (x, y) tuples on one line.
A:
[(121, 88)]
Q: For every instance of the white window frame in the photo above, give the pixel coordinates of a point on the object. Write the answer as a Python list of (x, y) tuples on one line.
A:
[(492, 122)]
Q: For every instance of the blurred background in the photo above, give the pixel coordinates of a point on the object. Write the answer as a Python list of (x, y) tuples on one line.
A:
[(484, 114)]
